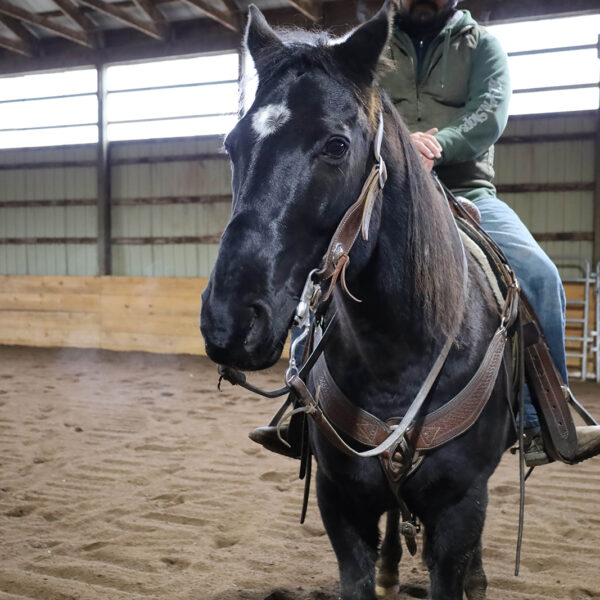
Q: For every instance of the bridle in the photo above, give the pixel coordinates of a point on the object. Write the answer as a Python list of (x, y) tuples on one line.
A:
[(357, 218), (309, 312), (334, 263)]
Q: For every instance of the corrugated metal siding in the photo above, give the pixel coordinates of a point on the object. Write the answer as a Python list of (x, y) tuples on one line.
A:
[(51, 183), (198, 178), (551, 162), (147, 174)]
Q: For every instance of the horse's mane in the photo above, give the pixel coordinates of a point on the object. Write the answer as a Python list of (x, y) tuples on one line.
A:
[(435, 270), (430, 252)]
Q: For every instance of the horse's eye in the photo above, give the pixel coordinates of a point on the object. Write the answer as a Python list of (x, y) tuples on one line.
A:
[(336, 148)]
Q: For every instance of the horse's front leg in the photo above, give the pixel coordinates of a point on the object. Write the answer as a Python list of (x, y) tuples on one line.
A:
[(354, 535), (452, 549), (390, 555), (475, 580)]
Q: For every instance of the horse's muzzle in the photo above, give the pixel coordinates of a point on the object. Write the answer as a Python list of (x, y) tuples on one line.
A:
[(238, 336)]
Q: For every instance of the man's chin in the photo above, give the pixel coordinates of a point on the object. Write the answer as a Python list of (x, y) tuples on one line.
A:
[(423, 17), (423, 9)]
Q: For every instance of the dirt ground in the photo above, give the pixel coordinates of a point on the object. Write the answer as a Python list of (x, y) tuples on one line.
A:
[(128, 476)]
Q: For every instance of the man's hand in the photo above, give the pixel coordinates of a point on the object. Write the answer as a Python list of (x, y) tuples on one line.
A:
[(429, 148)]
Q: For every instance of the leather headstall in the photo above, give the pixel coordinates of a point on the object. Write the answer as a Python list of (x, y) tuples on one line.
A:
[(356, 219), (335, 261)]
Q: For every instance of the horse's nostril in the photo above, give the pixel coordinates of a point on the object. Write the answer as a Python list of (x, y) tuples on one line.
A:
[(255, 310), (257, 326)]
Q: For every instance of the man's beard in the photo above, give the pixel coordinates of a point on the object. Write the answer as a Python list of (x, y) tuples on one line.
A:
[(424, 19)]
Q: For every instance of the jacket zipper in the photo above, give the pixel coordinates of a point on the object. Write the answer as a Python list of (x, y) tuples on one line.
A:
[(429, 67)]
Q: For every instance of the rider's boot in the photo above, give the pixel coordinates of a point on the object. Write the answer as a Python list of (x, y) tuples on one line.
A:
[(588, 445), (267, 437), (291, 433)]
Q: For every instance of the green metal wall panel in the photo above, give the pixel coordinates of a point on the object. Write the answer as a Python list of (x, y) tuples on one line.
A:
[(553, 162), (30, 180), (181, 175), (149, 179)]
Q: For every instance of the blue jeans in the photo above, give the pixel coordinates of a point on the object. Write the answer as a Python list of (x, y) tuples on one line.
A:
[(538, 277)]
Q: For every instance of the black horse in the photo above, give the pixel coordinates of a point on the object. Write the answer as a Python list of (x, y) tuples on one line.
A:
[(300, 156)]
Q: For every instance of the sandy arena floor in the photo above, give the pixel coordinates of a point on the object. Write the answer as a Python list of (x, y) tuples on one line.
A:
[(127, 476)]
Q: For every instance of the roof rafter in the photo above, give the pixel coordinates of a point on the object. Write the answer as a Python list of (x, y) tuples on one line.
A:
[(309, 8), (15, 46), (147, 27), (15, 12), (26, 43), (76, 15), (149, 8), (225, 17)]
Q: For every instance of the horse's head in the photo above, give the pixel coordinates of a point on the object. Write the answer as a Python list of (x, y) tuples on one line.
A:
[(299, 157)]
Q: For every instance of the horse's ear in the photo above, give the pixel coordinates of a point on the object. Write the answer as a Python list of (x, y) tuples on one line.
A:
[(359, 54), (260, 39)]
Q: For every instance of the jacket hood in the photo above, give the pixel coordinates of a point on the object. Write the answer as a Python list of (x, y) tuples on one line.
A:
[(457, 22)]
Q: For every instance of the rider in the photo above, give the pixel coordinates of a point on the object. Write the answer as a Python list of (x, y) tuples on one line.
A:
[(450, 83)]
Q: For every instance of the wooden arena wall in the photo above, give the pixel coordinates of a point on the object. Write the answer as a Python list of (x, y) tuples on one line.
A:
[(152, 314)]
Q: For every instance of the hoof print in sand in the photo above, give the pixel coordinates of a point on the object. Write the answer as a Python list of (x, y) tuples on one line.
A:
[(226, 541), (20, 511), (175, 563)]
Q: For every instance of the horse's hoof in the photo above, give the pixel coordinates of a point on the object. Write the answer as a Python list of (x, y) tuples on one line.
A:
[(386, 591)]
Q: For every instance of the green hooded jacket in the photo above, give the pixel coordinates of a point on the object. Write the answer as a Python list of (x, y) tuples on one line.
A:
[(462, 87)]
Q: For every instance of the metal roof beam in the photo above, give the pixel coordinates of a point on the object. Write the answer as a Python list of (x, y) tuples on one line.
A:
[(147, 27), (309, 8), (225, 17), (15, 12), (76, 15), (150, 9), (26, 43)]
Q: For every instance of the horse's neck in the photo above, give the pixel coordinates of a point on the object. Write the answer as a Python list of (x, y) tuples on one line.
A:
[(385, 335)]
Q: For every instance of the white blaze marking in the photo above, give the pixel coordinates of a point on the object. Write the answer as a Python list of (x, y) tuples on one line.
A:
[(268, 119)]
